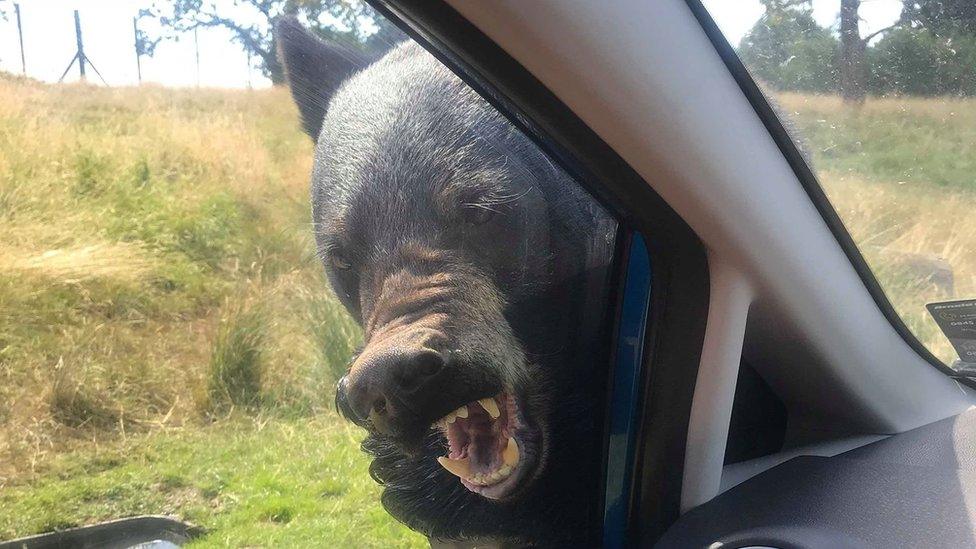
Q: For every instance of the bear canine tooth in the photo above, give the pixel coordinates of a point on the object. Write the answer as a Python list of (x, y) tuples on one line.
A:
[(457, 467), (462, 412), (449, 418), (490, 406), (511, 454)]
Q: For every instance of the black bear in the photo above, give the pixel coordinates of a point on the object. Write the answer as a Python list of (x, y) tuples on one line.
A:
[(478, 271)]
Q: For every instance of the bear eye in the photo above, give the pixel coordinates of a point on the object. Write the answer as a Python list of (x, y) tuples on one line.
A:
[(477, 214), (339, 259)]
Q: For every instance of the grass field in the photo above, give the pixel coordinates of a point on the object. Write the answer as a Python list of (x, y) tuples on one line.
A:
[(902, 174), (167, 340)]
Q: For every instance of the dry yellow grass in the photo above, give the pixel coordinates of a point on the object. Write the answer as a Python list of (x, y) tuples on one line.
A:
[(895, 224), (901, 172), (119, 260), (957, 109)]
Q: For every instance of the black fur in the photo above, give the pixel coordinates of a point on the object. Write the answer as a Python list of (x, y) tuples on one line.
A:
[(324, 68), (391, 141)]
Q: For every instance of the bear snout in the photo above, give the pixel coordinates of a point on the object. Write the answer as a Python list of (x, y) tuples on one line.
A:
[(387, 383)]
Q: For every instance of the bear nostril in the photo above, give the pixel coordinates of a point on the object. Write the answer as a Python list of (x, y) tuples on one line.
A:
[(418, 368), (386, 381)]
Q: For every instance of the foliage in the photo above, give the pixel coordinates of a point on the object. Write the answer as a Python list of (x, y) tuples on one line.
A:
[(156, 265), (916, 61), (898, 171), (780, 7), (788, 50), (236, 362), (132, 222), (930, 51), (251, 23), (942, 16)]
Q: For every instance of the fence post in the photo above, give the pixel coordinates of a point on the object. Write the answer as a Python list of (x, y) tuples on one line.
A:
[(135, 34), (81, 46), (20, 34), (248, 68), (196, 47)]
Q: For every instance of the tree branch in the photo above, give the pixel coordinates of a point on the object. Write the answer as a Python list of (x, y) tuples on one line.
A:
[(897, 23), (249, 37)]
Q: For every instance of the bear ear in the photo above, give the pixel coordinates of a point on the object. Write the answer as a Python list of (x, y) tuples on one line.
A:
[(314, 69)]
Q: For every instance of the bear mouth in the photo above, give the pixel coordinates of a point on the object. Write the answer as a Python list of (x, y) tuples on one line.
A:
[(490, 446)]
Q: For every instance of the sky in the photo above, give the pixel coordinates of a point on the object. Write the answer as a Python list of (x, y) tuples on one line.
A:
[(736, 17), (49, 40), (106, 28)]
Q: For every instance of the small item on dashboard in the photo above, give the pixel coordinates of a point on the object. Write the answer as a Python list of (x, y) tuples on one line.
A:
[(957, 319)]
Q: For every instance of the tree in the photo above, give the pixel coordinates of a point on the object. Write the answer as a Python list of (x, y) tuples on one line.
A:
[(916, 61), (251, 23), (788, 50), (780, 7), (942, 35), (853, 48), (942, 16)]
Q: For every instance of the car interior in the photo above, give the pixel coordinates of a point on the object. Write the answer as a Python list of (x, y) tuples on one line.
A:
[(763, 388), (815, 419)]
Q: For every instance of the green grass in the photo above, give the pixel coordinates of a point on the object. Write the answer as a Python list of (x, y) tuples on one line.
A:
[(236, 365), (251, 481), (898, 140), (168, 342)]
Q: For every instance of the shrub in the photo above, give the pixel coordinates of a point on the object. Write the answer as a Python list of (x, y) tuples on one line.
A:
[(912, 61), (73, 404), (237, 361), (789, 51)]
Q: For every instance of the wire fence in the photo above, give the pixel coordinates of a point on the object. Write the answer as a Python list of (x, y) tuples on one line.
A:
[(83, 64)]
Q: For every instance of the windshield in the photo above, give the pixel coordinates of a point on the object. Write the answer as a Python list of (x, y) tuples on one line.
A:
[(878, 96)]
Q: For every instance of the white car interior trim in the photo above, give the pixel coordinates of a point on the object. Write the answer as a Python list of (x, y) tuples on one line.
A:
[(711, 406), (644, 76)]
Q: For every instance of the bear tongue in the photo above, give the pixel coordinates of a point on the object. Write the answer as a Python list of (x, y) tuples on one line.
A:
[(480, 446), (483, 458), (484, 451)]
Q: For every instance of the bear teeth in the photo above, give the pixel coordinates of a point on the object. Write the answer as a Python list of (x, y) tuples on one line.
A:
[(461, 468), (490, 406)]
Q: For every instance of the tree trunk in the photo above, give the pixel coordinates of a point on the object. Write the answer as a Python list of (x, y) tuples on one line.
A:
[(270, 66), (273, 69), (853, 70)]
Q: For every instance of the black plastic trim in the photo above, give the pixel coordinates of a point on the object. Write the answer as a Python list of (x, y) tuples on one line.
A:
[(112, 534), (808, 179), (679, 301)]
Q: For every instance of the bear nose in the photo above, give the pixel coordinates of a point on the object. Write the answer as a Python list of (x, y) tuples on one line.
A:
[(387, 380)]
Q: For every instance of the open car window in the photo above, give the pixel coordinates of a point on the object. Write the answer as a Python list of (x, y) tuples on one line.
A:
[(878, 98), (419, 346)]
